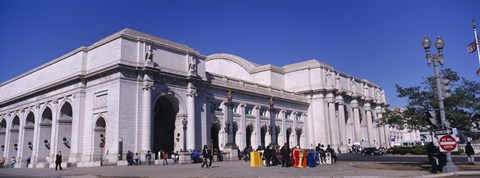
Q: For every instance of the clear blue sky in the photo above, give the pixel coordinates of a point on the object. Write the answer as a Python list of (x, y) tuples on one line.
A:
[(375, 40)]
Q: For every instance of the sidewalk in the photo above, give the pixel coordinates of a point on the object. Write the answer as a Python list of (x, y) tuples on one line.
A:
[(219, 169)]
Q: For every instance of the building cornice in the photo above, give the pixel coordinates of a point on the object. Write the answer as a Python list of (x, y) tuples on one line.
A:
[(125, 33)]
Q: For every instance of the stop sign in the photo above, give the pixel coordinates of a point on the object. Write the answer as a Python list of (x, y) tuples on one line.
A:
[(447, 143)]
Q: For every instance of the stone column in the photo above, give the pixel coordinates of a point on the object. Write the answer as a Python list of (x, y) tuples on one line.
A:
[(243, 126), (387, 134), (284, 127), (317, 122), (370, 131), (356, 121), (54, 135), (258, 126), (341, 124), (381, 134), (21, 133), (36, 142), (191, 93), (332, 121), (145, 127)]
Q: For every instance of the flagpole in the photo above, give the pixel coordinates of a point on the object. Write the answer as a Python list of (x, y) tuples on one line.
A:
[(476, 40)]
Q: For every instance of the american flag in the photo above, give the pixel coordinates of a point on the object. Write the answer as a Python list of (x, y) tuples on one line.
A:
[(472, 47)]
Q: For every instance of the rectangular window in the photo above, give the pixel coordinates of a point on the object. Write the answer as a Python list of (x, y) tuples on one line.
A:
[(287, 115), (235, 110), (263, 112), (298, 117), (215, 107), (248, 110)]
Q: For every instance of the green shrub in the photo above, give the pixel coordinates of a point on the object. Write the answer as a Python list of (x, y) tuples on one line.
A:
[(417, 150), (460, 151)]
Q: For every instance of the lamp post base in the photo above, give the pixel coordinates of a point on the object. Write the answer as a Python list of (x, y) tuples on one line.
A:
[(184, 157), (449, 167), (232, 152)]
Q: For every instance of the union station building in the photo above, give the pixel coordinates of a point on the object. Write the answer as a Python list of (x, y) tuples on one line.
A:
[(133, 92)]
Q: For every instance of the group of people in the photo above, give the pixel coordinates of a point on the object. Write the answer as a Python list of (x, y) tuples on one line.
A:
[(163, 155), (321, 156), (274, 156), (10, 164)]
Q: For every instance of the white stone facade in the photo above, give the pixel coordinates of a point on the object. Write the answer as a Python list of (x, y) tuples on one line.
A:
[(131, 91)]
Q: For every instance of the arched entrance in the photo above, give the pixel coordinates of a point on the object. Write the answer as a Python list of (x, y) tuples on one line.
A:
[(3, 131), (28, 135), (45, 135), (277, 130), (263, 133), (289, 132), (298, 132), (64, 134), (214, 130), (235, 129), (163, 125), (14, 134), (249, 131), (99, 137)]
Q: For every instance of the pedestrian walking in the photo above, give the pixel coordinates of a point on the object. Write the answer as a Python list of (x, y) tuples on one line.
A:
[(206, 155), (267, 154), (58, 161), (285, 152), (210, 158), (432, 152), (246, 154), (148, 157), (470, 153), (323, 155), (28, 160)]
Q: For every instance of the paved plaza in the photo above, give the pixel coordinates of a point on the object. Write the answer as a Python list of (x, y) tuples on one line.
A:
[(219, 169)]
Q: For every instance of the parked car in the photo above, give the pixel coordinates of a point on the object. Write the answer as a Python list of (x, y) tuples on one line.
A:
[(371, 151)]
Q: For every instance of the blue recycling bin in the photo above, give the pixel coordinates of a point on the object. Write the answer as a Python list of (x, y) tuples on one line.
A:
[(311, 159)]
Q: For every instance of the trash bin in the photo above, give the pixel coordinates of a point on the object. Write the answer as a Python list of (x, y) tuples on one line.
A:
[(255, 159), (311, 162), (300, 157)]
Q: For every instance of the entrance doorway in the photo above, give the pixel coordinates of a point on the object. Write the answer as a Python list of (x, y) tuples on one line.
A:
[(263, 133), (289, 132), (163, 126), (249, 131), (214, 130)]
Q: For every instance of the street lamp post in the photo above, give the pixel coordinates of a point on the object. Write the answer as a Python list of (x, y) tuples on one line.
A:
[(439, 44), (273, 126), (230, 124), (184, 122)]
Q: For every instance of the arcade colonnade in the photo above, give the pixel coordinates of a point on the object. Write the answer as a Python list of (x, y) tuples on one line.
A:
[(133, 92)]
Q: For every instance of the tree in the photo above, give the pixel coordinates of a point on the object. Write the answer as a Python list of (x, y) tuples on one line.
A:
[(462, 108)]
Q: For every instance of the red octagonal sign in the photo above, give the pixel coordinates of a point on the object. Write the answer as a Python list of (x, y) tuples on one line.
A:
[(447, 143)]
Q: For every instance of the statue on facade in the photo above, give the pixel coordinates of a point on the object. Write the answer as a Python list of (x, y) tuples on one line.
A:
[(149, 54), (192, 64)]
